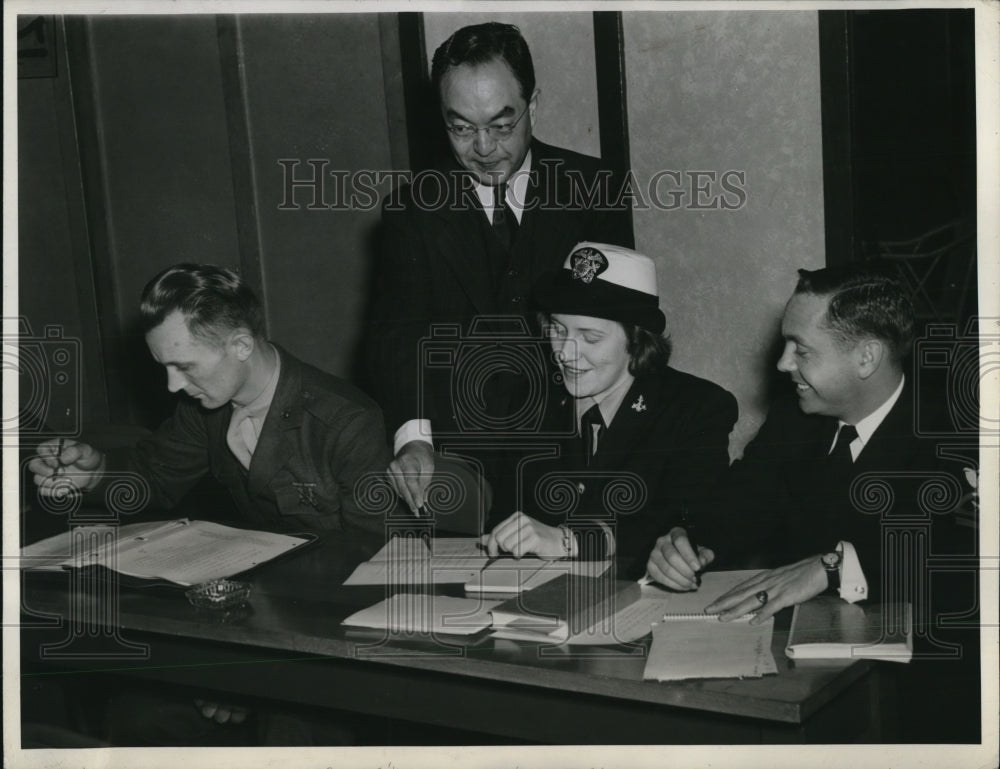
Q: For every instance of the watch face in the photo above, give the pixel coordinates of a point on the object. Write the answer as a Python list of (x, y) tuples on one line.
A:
[(831, 560)]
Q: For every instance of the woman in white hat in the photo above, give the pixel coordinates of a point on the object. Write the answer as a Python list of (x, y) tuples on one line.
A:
[(651, 440)]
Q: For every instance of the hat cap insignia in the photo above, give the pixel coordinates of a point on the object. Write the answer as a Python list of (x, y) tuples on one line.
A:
[(587, 263)]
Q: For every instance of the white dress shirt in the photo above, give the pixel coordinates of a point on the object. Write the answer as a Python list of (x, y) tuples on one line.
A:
[(853, 585)]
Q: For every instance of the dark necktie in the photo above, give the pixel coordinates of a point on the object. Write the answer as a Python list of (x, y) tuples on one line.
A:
[(591, 427), (504, 221), (840, 458)]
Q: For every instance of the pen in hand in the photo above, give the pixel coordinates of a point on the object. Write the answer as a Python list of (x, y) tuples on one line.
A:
[(59, 459), (689, 528)]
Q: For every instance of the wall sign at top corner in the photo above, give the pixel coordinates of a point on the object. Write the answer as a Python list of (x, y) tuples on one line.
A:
[(36, 46)]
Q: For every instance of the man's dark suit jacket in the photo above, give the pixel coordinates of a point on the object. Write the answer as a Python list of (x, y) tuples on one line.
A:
[(666, 447), (894, 506), (783, 500), (440, 264), (321, 435)]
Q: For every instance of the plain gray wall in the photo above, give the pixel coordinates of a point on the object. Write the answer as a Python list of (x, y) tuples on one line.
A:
[(315, 90), (718, 92)]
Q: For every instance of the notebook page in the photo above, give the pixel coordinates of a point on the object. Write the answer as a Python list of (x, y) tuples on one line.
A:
[(704, 648), (714, 584)]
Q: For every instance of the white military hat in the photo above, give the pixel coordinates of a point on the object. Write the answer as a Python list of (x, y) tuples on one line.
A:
[(600, 280)]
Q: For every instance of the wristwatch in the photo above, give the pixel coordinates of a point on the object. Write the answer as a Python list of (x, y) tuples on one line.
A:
[(831, 562)]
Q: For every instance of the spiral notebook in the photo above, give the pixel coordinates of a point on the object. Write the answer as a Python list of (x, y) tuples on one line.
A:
[(687, 643)]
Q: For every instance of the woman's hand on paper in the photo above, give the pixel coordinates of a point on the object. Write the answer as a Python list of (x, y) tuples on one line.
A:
[(522, 535)]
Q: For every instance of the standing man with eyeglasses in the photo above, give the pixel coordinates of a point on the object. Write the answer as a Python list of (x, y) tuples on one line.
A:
[(467, 243)]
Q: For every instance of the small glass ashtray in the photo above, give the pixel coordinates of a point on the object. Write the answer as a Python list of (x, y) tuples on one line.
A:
[(219, 594)]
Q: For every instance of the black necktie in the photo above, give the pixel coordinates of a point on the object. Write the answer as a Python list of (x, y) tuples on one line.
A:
[(591, 427), (840, 458), (504, 221)]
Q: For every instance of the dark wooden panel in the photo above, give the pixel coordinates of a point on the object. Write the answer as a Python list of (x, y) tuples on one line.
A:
[(609, 55), (838, 175), (241, 154)]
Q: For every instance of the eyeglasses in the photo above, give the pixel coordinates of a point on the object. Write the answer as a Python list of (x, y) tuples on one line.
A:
[(496, 132)]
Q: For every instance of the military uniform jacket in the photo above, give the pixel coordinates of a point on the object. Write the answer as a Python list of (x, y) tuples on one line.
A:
[(320, 438), (664, 450)]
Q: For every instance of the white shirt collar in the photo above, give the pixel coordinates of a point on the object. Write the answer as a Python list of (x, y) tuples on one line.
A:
[(517, 191), (867, 426)]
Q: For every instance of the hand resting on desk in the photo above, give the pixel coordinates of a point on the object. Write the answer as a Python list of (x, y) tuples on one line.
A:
[(674, 563), (785, 586), (522, 535), (64, 466)]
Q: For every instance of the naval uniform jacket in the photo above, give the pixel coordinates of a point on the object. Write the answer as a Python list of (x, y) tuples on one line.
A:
[(664, 450), (321, 435)]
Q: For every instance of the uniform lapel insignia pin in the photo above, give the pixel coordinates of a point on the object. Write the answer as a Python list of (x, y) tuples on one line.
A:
[(639, 405), (307, 494)]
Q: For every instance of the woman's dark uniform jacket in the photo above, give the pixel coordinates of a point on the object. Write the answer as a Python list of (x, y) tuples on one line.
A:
[(665, 448), (321, 436)]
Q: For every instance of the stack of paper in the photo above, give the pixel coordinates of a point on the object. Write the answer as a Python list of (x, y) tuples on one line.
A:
[(181, 551), (635, 620), (707, 648), (516, 575), (423, 613), (461, 560), (687, 643), (561, 608), (409, 561)]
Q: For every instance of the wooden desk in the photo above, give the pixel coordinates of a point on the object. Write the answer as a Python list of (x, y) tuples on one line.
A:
[(291, 647)]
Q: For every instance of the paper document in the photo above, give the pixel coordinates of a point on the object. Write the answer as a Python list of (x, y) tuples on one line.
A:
[(515, 575), (714, 584), (561, 608), (409, 561), (707, 648), (629, 624), (423, 613), (634, 621), (460, 560), (181, 551)]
